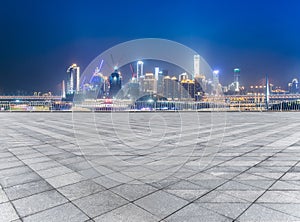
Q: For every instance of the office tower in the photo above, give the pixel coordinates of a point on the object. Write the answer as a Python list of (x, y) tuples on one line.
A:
[(200, 80), (294, 86), (73, 82), (160, 83), (175, 88), (170, 88), (183, 76), (167, 87), (215, 81), (156, 72), (97, 84), (236, 79), (187, 89), (115, 83), (267, 92), (139, 70), (63, 89), (149, 83), (196, 66)]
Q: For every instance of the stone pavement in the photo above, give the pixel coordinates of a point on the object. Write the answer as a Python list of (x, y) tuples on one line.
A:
[(181, 166)]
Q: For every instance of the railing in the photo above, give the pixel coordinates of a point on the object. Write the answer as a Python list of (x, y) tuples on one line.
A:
[(115, 106)]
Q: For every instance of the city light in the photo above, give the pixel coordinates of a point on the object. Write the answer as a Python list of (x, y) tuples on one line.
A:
[(216, 72)]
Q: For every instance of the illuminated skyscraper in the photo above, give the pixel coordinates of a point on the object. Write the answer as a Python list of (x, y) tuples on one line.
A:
[(63, 94), (115, 83), (171, 88), (139, 69), (183, 76), (236, 79), (215, 81), (149, 83), (187, 89), (73, 82), (156, 72), (196, 66)]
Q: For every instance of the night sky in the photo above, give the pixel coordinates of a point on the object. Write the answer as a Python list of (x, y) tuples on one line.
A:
[(39, 39)]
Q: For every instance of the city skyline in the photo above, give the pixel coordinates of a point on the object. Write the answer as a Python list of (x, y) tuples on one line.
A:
[(42, 39)]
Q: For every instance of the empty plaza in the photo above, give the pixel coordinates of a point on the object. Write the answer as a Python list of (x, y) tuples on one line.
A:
[(150, 166)]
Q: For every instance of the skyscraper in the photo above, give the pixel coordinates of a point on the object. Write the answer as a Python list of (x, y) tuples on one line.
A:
[(187, 89), (156, 72), (73, 80), (63, 93), (196, 66), (236, 79), (171, 88), (115, 83), (149, 83), (216, 81), (139, 69)]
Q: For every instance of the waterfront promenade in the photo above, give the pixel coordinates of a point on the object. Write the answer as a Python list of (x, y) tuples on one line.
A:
[(165, 166)]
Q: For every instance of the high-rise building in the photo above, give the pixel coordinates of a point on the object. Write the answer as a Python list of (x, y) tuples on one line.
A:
[(236, 79), (149, 83), (187, 89), (139, 69), (63, 89), (196, 66), (170, 88), (73, 80), (294, 86), (97, 84), (115, 83), (167, 86), (156, 72), (216, 82), (183, 76)]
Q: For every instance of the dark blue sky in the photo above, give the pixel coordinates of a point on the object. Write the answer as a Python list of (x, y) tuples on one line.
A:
[(39, 39)]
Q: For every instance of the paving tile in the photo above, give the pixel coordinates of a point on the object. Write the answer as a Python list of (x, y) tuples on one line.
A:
[(3, 197), (80, 189), (133, 191), (66, 212), (285, 185), (90, 173), (15, 171), (8, 213), (196, 213), (9, 181), (248, 195), (106, 181), (290, 209), (220, 197), (259, 213), (280, 197), (12, 164), (38, 202), (127, 213), (44, 165), (231, 210), (27, 189), (99, 203), (161, 203), (65, 179), (55, 171)]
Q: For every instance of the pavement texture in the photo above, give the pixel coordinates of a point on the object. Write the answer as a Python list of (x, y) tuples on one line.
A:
[(167, 166)]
